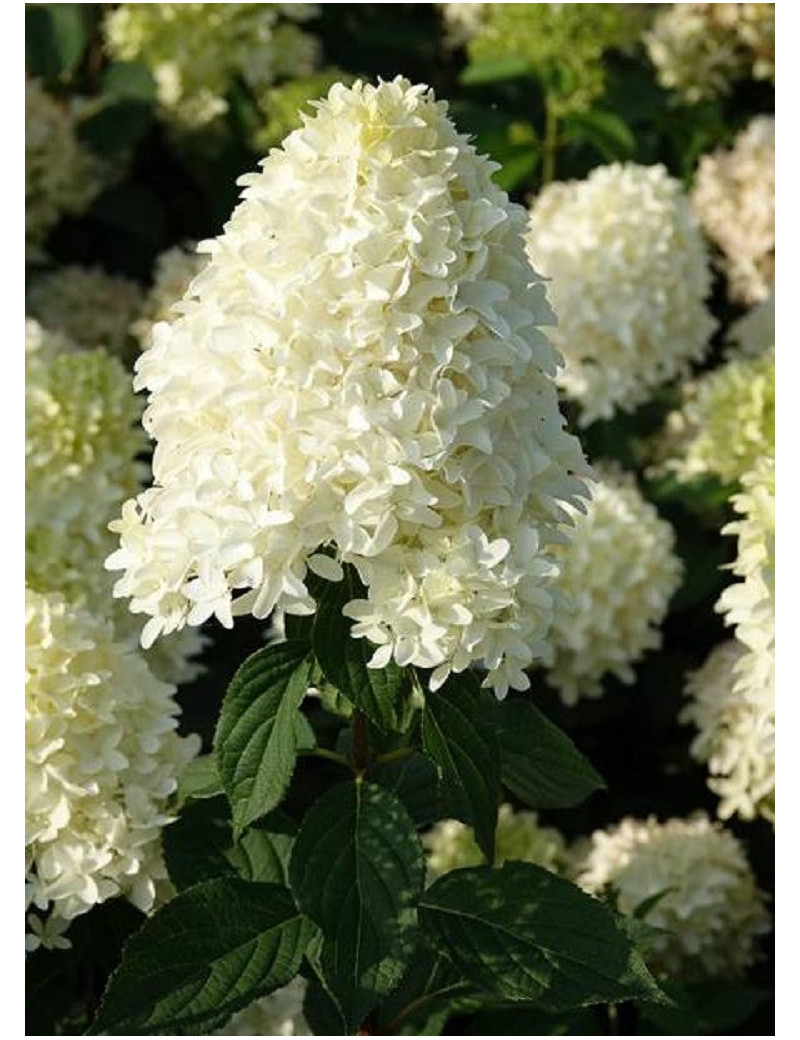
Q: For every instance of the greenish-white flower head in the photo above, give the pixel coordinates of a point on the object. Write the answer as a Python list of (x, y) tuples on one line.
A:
[(87, 304), (618, 572), (629, 276), (61, 176), (733, 195), (735, 731), (102, 759), (195, 52), (451, 844), (753, 335), (46, 342), (279, 1014), (82, 441), (710, 914), (563, 44), (726, 423), (361, 365), (462, 22), (701, 50), (173, 273)]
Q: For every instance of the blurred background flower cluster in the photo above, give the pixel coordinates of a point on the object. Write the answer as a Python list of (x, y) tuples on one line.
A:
[(642, 139)]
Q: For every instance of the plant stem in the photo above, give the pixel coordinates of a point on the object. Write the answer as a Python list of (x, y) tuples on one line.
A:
[(360, 750), (393, 756), (550, 142)]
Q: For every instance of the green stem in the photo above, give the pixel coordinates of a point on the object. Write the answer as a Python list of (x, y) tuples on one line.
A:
[(550, 142), (360, 749), (393, 756), (613, 1020)]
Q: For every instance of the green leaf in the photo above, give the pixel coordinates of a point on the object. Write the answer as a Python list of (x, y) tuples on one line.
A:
[(210, 952), (200, 846), (55, 39), (539, 763), (521, 933), (430, 992), (467, 755), (493, 70), (356, 870), (382, 694), (200, 779), (116, 125), (414, 781), (258, 734), (605, 131), (196, 844), (129, 79), (263, 853), (713, 1008)]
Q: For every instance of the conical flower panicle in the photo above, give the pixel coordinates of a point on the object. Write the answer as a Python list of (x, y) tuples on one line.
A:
[(361, 365)]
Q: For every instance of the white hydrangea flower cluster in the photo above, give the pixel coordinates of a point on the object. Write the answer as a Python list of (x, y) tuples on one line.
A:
[(87, 304), (701, 50), (734, 197), (360, 365), (450, 844), (61, 176), (618, 573), (45, 342), (102, 759), (174, 271), (461, 22), (279, 1014), (726, 423), (732, 697), (711, 910), (196, 51), (82, 438), (736, 734), (753, 335), (629, 274)]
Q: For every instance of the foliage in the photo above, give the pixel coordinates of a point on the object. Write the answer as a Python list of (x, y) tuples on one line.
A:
[(293, 843)]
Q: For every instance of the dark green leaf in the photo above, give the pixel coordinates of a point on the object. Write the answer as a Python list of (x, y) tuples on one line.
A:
[(430, 992), (414, 781), (522, 933), (712, 1008), (492, 70), (129, 79), (466, 753), (322, 1012), (258, 734), (210, 952), (200, 779), (356, 870), (539, 763), (605, 131), (382, 694), (197, 843), (55, 39), (200, 846), (263, 853), (115, 126)]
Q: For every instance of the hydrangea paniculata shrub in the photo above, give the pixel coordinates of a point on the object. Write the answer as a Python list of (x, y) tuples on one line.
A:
[(618, 572), (102, 759), (734, 197), (629, 276), (710, 913), (359, 376)]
